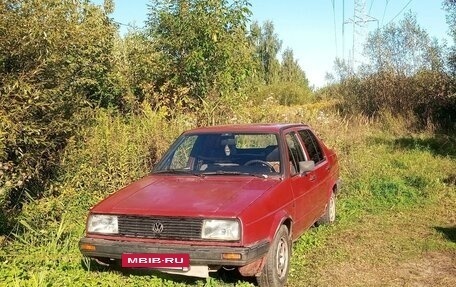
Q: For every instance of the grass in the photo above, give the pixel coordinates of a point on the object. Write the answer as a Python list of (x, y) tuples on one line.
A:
[(396, 219), (377, 249)]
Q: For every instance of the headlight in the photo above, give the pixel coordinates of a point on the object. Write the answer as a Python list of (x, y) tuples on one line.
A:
[(221, 229), (99, 223)]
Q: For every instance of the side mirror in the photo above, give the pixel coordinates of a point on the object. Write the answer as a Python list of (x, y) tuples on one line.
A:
[(306, 166)]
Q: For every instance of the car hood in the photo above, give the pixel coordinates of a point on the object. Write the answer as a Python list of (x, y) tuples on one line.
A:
[(169, 195)]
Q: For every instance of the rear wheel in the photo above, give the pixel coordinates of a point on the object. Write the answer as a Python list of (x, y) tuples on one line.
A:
[(275, 270), (330, 212)]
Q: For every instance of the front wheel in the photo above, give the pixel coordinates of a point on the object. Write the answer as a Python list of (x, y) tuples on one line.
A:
[(275, 270)]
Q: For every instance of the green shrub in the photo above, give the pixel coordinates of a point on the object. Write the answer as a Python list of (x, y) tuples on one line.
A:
[(285, 93), (54, 60), (118, 149)]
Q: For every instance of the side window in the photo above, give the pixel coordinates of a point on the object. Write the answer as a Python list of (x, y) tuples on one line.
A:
[(312, 146), (295, 152)]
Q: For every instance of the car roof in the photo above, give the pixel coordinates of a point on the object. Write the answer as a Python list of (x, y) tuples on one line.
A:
[(266, 128)]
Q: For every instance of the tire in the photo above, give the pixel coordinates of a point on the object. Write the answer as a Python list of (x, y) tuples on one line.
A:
[(277, 265), (330, 212)]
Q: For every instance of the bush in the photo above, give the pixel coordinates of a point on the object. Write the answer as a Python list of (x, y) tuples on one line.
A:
[(118, 149), (54, 60), (285, 93), (426, 96)]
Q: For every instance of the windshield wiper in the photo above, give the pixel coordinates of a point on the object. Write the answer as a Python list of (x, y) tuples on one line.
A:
[(223, 172), (177, 171)]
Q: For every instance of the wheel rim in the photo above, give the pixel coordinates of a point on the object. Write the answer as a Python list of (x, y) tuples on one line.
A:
[(282, 258), (332, 209)]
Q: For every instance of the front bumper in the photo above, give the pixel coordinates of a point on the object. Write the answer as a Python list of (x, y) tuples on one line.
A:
[(199, 255)]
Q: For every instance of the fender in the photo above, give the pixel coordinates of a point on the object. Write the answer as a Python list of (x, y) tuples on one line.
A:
[(279, 219)]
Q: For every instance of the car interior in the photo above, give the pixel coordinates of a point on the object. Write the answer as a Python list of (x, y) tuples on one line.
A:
[(222, 153)]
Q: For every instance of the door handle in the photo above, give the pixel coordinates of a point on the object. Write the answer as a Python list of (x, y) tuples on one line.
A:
[(312, 177)]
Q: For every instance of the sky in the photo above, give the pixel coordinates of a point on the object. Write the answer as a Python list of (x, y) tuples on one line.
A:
[(313, 28)]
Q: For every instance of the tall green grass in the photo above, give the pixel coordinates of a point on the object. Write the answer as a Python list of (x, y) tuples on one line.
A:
[(384, 168)]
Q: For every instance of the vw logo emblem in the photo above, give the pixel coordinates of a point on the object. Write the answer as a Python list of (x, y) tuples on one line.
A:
[(157, 227)]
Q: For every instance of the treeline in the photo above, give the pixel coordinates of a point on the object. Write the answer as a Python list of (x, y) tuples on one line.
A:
[(405, 72), (61, 60)]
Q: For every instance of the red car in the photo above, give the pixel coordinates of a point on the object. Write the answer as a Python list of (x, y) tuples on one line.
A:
[(232, 196)]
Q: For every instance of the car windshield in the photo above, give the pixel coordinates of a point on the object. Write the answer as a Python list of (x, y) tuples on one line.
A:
[(223, 154)]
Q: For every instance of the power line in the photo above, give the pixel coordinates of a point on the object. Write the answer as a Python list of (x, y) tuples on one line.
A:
[(335, 25), (402, 10), (370, 8), (384, 10), (343, 29)]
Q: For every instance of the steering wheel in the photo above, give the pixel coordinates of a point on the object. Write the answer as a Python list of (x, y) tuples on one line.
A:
[(259, 161)]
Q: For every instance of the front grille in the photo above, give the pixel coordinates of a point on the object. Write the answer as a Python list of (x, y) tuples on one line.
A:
[(171, 227)]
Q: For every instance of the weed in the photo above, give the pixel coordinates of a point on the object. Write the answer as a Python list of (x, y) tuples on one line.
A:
[(396, 200)]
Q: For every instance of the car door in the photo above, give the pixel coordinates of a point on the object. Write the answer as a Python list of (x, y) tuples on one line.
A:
[(320, 174), (303, 185)]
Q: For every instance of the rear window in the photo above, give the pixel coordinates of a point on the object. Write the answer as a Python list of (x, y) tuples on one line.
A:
[(244, 141)]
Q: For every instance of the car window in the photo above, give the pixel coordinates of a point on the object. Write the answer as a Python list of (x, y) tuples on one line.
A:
[(181, 158), (255, 140), (312, 145), (295, 152), (223, 153)]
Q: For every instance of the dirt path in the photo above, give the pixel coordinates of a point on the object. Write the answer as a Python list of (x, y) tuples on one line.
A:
[(412, 248), (430, 269)]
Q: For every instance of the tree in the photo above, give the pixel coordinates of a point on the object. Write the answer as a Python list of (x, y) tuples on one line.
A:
[(54, 60), (406, 68), (267, 45), (136, 66), (290, 71), (202, 44), (450, 8), (292, 76), (405, 74), (284, 81), (404, 49), (342, 71)]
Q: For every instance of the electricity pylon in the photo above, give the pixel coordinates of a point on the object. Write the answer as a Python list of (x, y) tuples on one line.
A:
[(359, 21)]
